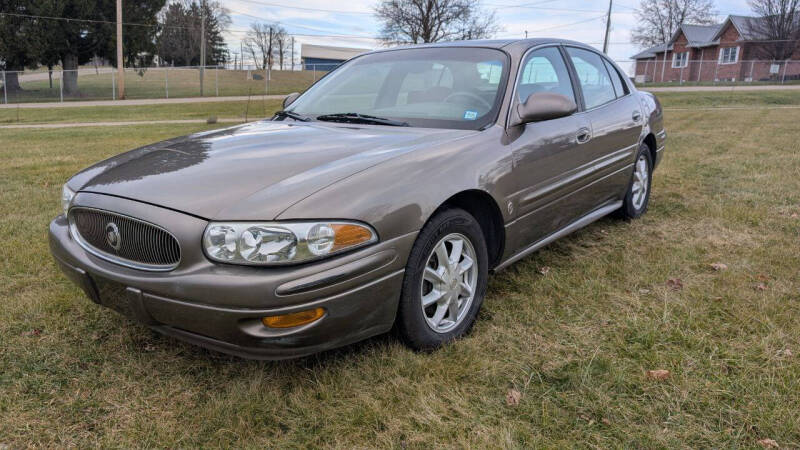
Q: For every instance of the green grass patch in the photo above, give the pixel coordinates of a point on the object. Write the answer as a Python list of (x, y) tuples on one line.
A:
[(575, 342), (729, 98), (257, 108)]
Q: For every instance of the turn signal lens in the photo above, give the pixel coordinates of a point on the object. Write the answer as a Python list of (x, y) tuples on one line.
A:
[(348, 235), (293, 319)]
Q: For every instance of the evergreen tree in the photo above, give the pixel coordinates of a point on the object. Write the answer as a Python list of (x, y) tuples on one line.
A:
[(28, 42), (20, 40), (179, 41)]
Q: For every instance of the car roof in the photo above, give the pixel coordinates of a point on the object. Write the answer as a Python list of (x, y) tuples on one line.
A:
[(488, 43)]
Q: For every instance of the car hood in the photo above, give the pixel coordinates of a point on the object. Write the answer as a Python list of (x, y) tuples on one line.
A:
[(252, 171)]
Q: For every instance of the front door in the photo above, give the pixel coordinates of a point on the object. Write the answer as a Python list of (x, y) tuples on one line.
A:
[(547, 154)]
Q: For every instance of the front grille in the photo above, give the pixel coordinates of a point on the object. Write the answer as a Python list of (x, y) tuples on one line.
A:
[(125, 240)]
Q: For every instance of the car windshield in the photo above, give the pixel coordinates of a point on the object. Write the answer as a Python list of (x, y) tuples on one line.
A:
[(427, 87)]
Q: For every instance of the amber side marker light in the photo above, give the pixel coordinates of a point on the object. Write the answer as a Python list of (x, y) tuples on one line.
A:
[(293, 319), (349, 235)]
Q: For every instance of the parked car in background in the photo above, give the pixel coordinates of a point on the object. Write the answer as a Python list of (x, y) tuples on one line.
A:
[(381, 197)]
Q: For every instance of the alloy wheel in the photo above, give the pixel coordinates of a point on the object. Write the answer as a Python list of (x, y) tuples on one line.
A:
[(641, 177), (449, 282)]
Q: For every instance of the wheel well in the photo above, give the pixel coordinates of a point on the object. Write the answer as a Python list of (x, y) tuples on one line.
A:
[(650, 140), (485, 210)]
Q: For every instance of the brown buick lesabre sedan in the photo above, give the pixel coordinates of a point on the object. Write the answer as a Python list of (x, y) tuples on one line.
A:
[(380, 198)]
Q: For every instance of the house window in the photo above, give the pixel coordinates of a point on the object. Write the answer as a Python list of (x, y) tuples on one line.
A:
[(729, 55), (680, 60)]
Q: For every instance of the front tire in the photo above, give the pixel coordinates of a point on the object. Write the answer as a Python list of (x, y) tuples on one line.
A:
[(445, 281), (637, 197)]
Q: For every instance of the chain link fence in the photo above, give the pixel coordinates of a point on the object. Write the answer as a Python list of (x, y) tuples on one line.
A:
[(676, 71), (100, 83)]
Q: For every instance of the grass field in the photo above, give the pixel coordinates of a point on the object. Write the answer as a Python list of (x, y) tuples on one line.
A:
[(154, 83), (574, 340)]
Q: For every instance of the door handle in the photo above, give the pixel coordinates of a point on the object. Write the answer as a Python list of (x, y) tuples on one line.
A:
[(637, 116), (584, 135)]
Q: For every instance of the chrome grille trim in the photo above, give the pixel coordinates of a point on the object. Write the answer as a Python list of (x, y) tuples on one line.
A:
[(160, 254)]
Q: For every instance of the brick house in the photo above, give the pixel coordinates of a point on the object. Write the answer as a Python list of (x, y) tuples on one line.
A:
[(722, 52)]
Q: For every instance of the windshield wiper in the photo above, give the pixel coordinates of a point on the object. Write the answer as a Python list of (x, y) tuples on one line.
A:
[(293, 115), (361, 118)]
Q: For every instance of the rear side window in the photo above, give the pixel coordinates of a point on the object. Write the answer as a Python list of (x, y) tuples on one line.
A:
[(593, 77), (544, 70), (616, 80)]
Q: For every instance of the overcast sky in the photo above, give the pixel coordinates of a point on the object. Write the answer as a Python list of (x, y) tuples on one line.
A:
[(580, 20)]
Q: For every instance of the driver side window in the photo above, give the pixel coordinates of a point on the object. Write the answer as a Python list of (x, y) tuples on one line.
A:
[(544, 70)]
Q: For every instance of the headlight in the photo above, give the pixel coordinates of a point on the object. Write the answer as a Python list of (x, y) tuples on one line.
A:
[(271, 243), (66, 198)]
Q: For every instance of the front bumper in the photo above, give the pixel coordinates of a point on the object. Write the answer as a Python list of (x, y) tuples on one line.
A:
[(219, 306)]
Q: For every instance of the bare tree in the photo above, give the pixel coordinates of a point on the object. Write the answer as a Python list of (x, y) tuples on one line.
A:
[(281, 45), (261, 41), (418, 21), (659, 19), (778, 27)]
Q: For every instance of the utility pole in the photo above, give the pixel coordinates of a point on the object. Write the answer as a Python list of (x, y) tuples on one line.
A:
[(608, 27), (269, 56), (120, 65), (292, 53), (202, 45)]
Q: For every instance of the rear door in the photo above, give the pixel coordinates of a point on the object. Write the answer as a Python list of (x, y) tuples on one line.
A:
[(616, 121)]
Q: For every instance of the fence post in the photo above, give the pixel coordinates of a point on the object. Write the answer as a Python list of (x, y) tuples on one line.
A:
[(785, 65), (266, 81), (216, 79), (166, 80), (716, 69), (681, 75), (113, 86), (61, 86), (314, 67), (5, 89), (655, 65), (752, 63)]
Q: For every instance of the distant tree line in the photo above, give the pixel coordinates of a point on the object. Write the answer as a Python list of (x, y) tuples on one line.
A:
[(30, 38)]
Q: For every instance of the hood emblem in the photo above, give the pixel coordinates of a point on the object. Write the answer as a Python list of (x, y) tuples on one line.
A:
[(113, 237)]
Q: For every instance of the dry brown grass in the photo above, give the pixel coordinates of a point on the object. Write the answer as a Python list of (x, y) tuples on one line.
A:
[(576, 342)]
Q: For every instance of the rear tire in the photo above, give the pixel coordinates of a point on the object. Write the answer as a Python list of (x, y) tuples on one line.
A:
[(445, 281), (637, 197)]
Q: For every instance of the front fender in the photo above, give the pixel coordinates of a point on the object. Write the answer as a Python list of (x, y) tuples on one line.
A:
[(398, 196)]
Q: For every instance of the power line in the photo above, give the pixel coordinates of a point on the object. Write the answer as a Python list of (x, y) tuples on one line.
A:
[(555, 27), (159, 24), (335, 11), (547, 8), (281, 23), (68, 19)]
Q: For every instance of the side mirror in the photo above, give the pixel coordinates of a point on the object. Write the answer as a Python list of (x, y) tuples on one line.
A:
[(290, 99), (544, 106)]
